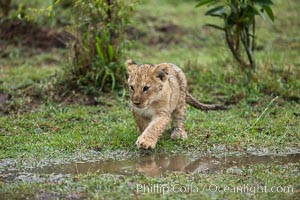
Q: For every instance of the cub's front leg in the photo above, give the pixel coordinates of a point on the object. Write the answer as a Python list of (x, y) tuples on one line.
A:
[(140, 121), (154, 130)]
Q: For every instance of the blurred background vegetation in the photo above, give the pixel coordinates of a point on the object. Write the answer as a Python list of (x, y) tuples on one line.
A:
[(70, 47), (63, 92)]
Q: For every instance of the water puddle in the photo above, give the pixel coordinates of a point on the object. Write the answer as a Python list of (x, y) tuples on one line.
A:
[(156, 165), (149, 165)]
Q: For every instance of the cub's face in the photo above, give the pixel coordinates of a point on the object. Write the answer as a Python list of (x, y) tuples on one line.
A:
[(145, 83)]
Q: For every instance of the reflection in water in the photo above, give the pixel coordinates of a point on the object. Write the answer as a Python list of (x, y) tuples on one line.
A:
[(155, 165)]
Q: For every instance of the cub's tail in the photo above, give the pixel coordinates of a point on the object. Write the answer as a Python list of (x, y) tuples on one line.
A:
[(201, 106)]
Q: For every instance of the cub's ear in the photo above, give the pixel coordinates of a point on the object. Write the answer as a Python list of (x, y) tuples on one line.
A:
[(130, 65), (161, 71)]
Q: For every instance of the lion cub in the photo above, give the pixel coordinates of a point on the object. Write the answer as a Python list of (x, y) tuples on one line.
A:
[(158, 95)]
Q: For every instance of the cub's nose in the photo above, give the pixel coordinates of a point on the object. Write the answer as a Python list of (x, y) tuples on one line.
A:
[(137, 103)]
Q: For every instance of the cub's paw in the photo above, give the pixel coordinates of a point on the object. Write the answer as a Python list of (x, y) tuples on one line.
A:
[(146, 142), (178, 134)]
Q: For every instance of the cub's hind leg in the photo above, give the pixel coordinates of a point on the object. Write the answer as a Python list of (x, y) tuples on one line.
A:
[(178, 130), (178, 114)]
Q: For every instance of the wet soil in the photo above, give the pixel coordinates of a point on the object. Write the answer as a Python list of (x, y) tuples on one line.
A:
[(31, 36), (153, 165)]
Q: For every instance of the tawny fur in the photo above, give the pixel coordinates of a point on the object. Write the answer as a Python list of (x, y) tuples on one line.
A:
[(159, 95)]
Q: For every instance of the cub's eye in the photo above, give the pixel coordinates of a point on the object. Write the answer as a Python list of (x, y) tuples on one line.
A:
[(132, 88), (145, 88)]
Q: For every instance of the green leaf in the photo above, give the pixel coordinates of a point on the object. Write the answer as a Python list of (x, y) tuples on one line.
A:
[(113, 81), (259, 12), (98, 48), (216, 27), (233, 9), (248, 15), (99, 74), (110, 52), (203, 2), (263, 2), (269, 12), (219, 11)]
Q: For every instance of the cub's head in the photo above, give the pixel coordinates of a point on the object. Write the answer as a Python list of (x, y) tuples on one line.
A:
[(145, 82)]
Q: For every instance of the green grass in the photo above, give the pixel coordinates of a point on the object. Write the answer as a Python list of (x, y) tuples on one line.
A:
[(55, 129), (35, 130)]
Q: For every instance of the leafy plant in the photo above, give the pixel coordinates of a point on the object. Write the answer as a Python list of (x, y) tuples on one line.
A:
[(97, 53), (239, 24)]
